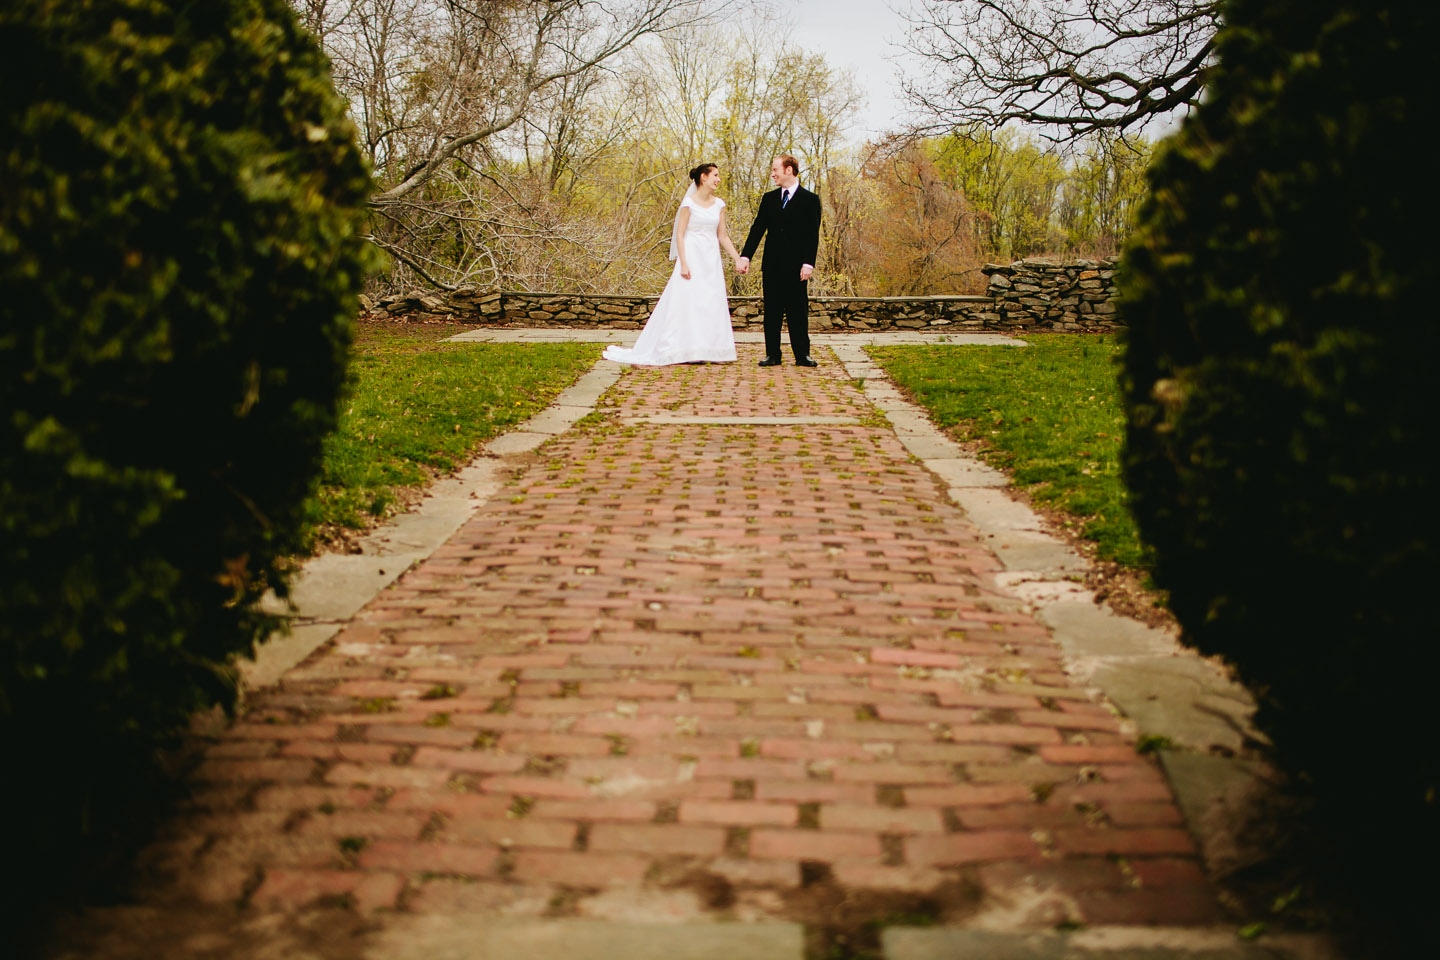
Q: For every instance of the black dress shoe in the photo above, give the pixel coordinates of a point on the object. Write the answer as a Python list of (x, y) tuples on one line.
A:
[(805, 362), (770, 362)]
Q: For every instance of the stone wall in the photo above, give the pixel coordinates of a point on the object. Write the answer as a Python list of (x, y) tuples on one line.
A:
[(1025, 296), (1054, 295)]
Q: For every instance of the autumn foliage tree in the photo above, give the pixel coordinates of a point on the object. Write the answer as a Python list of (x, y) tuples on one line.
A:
[(911, 231)]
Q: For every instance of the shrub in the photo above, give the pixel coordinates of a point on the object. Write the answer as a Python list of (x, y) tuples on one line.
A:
[(1280, 341), (180, 253)]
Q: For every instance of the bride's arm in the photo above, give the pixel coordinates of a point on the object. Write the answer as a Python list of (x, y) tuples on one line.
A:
[(682, 220), (725, 242)]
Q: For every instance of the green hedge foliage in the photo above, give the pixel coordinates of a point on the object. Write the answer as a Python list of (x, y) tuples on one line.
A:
[(181, 246), (1280, 299)]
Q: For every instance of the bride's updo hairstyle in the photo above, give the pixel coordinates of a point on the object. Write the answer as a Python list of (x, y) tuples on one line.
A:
[(701, 170)]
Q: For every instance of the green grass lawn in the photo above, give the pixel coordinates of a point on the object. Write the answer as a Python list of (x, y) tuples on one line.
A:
[(419, 408), (1049, 413)]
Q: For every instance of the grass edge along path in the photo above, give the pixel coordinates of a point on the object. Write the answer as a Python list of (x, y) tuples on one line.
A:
[(419, 408), (1049, 414)]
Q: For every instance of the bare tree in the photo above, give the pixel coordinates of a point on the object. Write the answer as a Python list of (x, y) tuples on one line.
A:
[(446, 94), (776, 98), (692, 75), (375, 47), (511, 52), (1071, 67), (1105, 185)]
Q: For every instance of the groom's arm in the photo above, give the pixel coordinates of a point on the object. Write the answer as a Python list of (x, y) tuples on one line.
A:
[(810, 235), (757, 230)]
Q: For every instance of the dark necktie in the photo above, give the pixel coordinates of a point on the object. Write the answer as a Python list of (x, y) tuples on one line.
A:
[(784, 198)]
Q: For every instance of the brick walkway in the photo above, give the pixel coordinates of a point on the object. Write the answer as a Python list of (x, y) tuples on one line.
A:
[(749, 669)]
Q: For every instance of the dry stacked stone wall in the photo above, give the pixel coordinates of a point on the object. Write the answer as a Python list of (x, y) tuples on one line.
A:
[(1022, 297), (1051, 295)]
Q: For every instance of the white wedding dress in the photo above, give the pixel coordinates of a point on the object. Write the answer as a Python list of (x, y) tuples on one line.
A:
[(691, 322)]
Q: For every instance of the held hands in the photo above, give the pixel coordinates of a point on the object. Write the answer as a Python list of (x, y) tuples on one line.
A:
[(684, 269), (742, 266)]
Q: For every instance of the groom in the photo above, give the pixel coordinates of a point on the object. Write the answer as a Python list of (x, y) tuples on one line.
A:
[(791, 215)]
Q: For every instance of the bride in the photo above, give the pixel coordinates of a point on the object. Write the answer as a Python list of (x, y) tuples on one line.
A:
[(691, 322)]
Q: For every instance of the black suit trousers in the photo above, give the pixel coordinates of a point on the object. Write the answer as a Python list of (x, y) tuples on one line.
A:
[(787, 304)]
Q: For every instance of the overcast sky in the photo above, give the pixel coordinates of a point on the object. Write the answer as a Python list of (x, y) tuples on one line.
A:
[(857, 35)]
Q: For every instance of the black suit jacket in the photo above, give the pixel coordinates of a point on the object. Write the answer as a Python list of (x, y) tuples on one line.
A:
[(794, 231)]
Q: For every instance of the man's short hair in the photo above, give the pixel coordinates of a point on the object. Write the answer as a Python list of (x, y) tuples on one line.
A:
[(788, 161)]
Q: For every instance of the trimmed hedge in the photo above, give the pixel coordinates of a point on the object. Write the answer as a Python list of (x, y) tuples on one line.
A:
[(1279, 294), (181, 221)]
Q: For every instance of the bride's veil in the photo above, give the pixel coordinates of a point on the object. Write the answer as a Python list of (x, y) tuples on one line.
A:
[(675, 230)]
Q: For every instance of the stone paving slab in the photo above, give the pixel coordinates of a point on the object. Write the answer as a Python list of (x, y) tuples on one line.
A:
[(766, 673), (965, 473), (926, 446), (902, 943), (518, 441), (758, 421), (461, 937)]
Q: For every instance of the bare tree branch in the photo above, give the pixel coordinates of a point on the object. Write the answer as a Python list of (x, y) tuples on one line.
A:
[(1070, 67), (399, 254), (541, 43)]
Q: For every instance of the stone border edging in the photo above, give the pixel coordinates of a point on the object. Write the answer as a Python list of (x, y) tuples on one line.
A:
[(488, 938), (331, 588), (1164, 689)]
